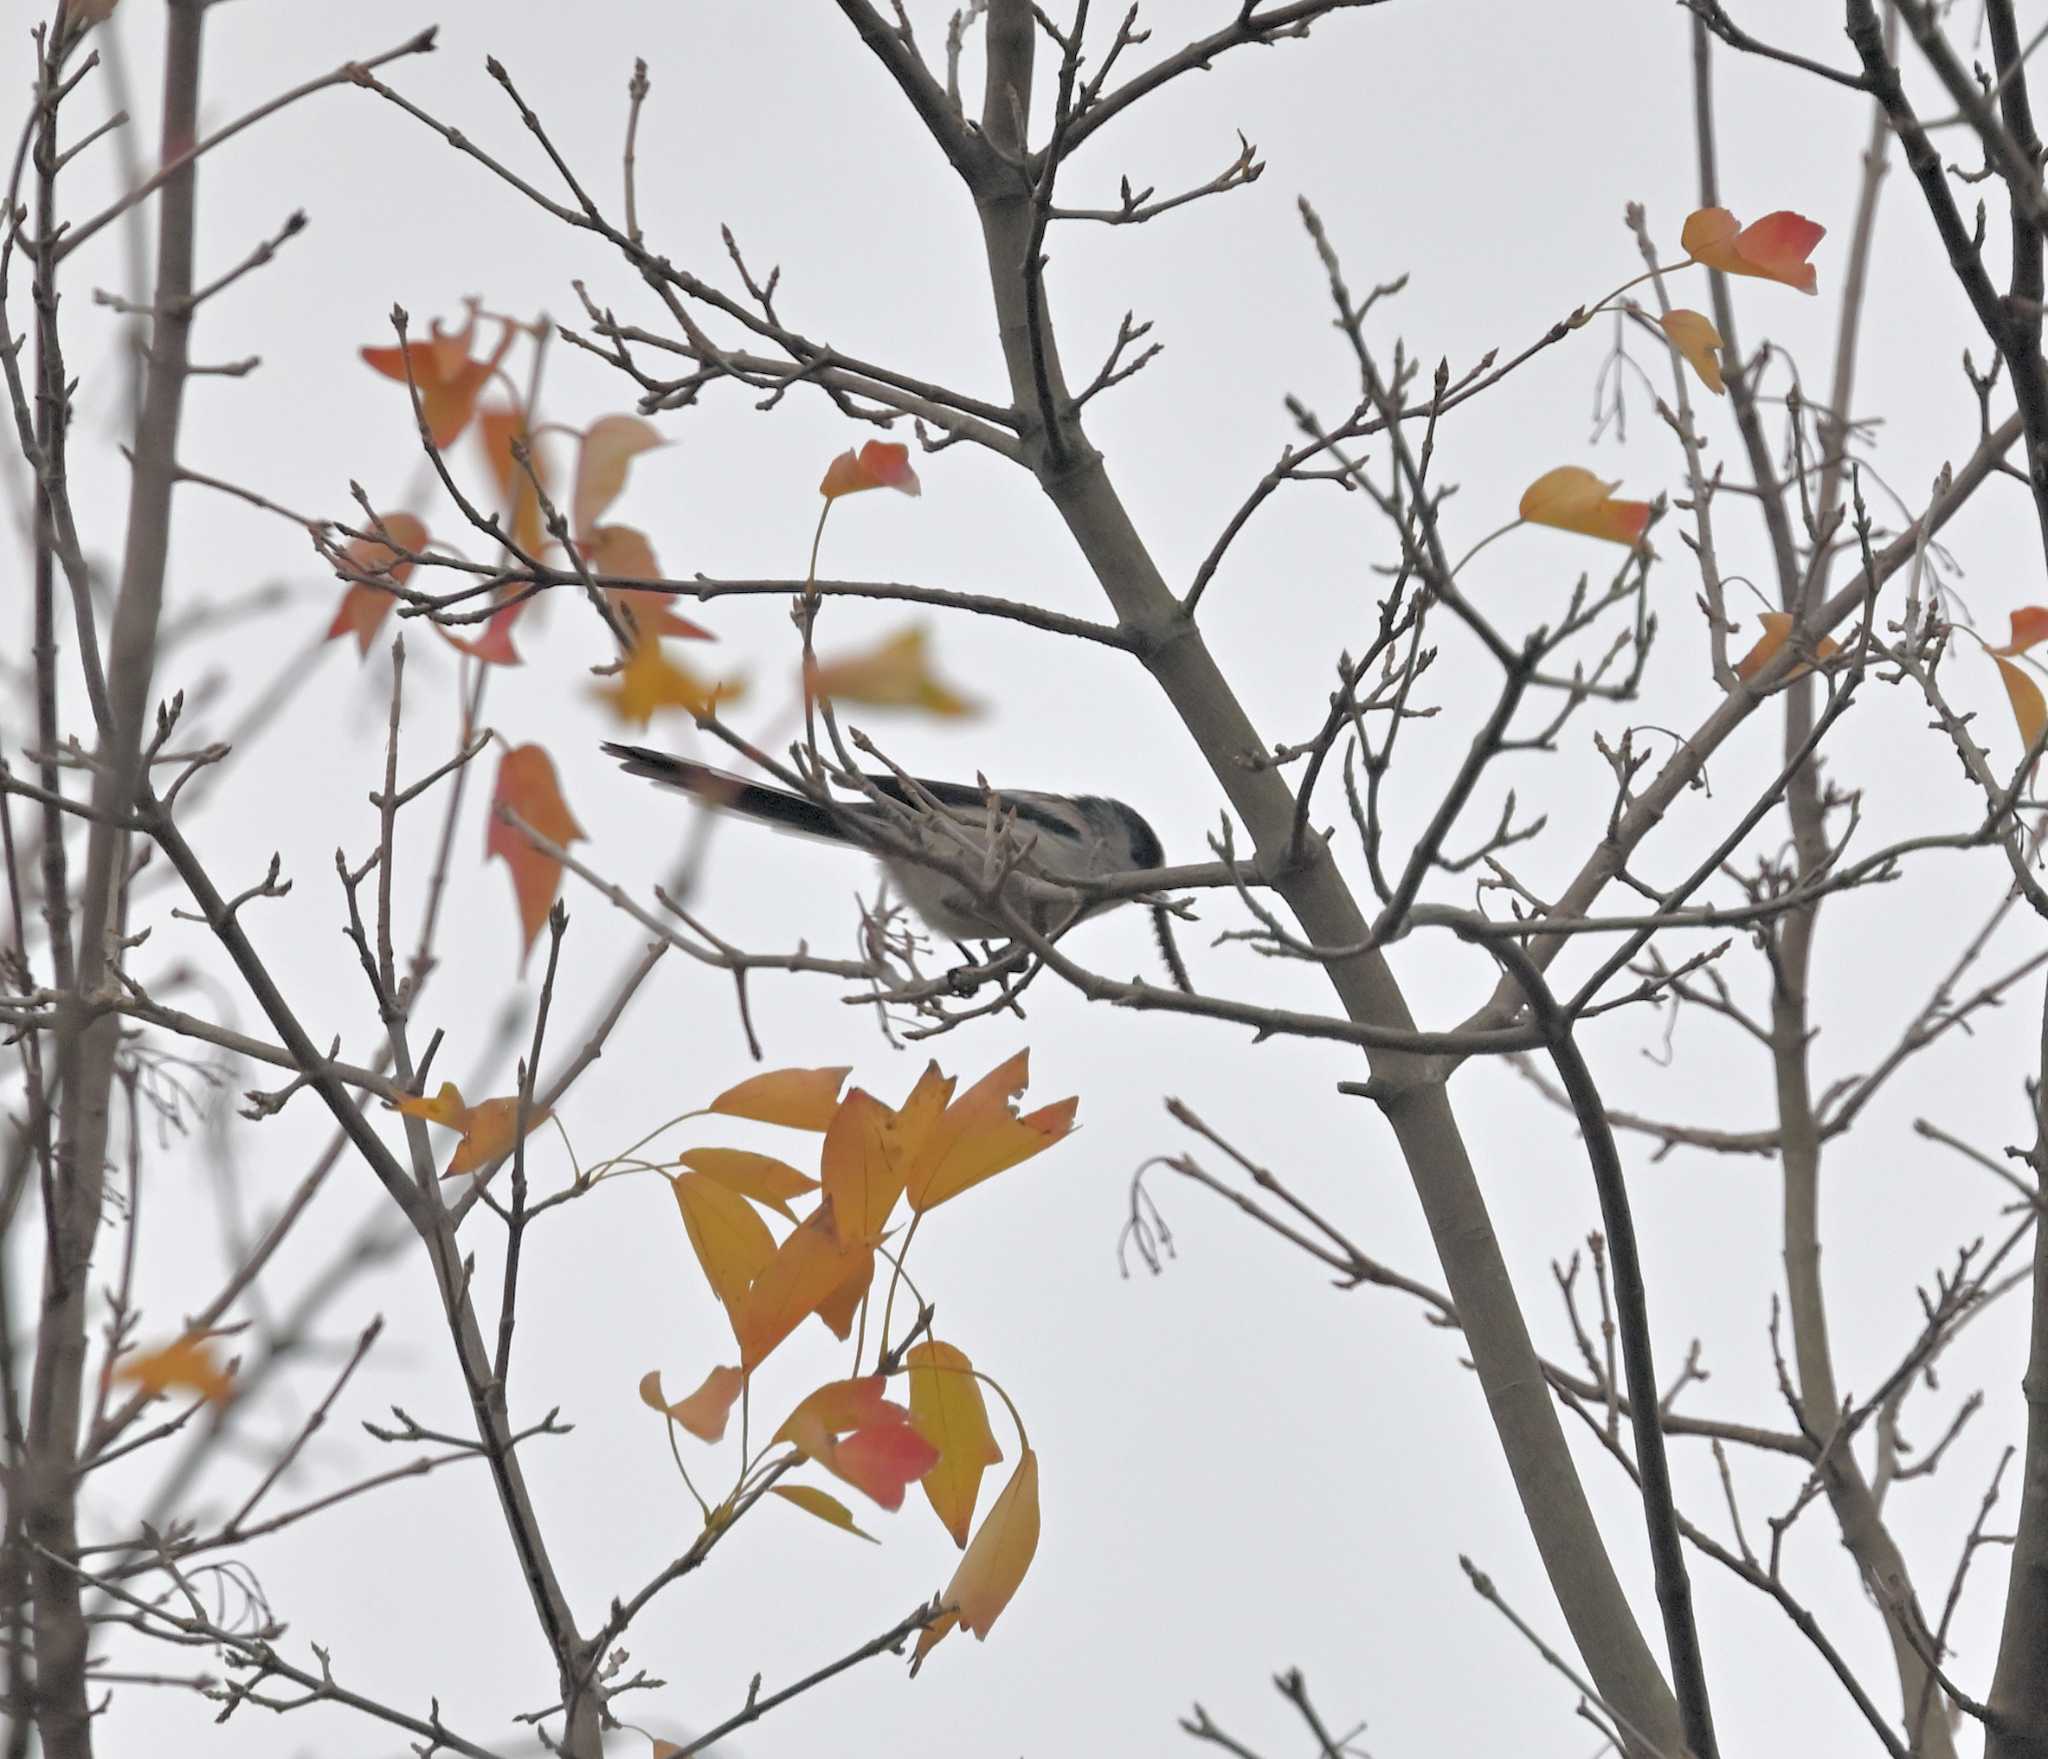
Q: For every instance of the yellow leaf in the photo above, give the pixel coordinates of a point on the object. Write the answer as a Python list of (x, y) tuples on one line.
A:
[(731, 1240), (759, 1176), (947, 1409), (2028, 708), (1695, 338), (838, 1308), (1774, 248), (803, 1099), (824, 1505), (981, 1135), (445, 1107), (1572, 499), (489, 1131), (857, 1170), (610, 445), (995, 1563), (806, 1268), (896, 674), (189, 1363), (650, 680)]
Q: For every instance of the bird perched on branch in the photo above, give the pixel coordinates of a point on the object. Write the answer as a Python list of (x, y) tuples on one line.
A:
[(1056, 840)]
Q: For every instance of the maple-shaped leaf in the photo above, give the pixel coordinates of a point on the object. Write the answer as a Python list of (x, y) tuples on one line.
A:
[(650, 680), (989, 1575), (1572, 499), (449, 378), (760, 1177), (947, 1409), (2029, 626), (802, 1099), (858, 1173), (620, 550), (186, 1365), (1777, 629), (609, 446), (980, 1135), (1774, 248), (895, 674), (527, 785), (496, 429), (2029, 710), (807, 1267), (880, 464), (365, 605), (493, 642), (1697, 339), (823, 1504), (705, 1412), (489, 1128), (731, 1240)]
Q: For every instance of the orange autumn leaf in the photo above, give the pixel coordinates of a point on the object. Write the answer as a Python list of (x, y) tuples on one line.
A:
[(946, 1407), (2029, 626), (527, 786), (881, 1461), (823, 1504), (858, 1173), (731, 1240), (980, 1135), (188, 1365), (836, 1408), (880, 464), (493, 642), (609, 446), (760, 1177), (911, 1124), (489, 1128), (838, 1309), (650, 680), (802, 1099), (449, 379), (2028, 707), (1696, 338), (613, 550), (807, 1267), (365, 605), (496, 429), (1774, 248), (1777, 628), (995, 1563), (706, 1411), (895, 674), (1572, 499)]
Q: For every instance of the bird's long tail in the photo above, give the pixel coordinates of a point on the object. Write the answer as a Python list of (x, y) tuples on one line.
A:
[(775, 806)]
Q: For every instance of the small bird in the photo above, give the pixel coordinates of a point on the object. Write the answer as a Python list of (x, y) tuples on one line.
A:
[(1063, 838)]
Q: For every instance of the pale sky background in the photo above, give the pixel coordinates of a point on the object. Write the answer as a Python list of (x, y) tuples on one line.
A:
[(1242, 1469)]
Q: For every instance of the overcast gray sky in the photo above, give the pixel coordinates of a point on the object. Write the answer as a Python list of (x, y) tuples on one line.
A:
[(1243, 1469)]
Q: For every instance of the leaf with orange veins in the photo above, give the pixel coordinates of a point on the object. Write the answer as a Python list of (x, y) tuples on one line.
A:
[(880, 464), (527, 785), (496, 429), (1572, 499), (807, 1267), (2029, 626), (188, 1364), (858, 1173), (448, 377), (760, 1177), (615, 550), (947, 1409), (489, 1128), (707, 1410), (895, 674), (731, 1240), (1774, 248), (1777, 630), (824, 1505), (838, 1309), (365, 604), (1696, 338), (609, 446), (650, 680), (981, 1135), (991, 1572), (493, 643), (801, 1099), (2028, 707)]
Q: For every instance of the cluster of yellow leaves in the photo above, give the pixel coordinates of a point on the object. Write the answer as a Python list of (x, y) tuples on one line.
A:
[(873, 1157), (489, 1128)]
